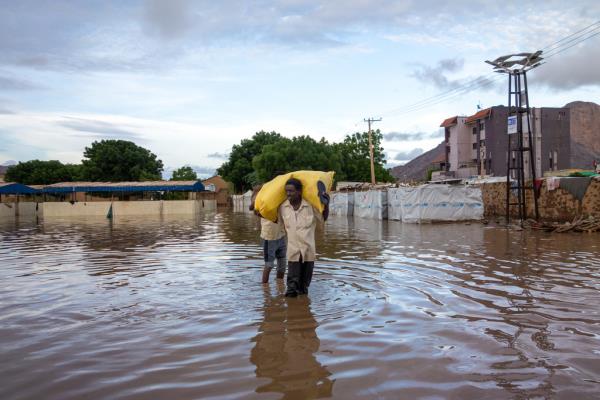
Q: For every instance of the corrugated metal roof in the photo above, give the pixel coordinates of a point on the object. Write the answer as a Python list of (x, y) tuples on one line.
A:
[(122, 184), (449, 122), (151, 186), (479, 115)]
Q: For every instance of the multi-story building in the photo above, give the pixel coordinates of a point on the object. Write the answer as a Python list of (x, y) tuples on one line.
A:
[(459, 160), (478, 144)]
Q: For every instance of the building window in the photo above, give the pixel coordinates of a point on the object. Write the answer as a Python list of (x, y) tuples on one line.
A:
[(551, 161), (562, 115), (474, 131), (481, 126), (474, 146)]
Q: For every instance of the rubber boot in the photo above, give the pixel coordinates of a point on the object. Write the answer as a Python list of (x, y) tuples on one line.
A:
[(293, 280), (265, 275), (306, 272)]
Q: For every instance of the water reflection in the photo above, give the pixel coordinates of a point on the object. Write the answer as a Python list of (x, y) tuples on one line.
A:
[(173, 305), (285, 349)]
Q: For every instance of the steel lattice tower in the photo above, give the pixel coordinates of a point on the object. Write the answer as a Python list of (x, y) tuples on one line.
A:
[(519, 116)]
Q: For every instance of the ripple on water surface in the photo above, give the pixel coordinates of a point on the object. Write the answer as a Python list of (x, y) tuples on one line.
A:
[(172, 308)]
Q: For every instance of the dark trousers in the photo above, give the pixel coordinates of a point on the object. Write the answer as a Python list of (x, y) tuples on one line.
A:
[(299, 277)]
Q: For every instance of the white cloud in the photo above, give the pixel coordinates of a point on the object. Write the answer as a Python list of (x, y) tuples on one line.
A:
[(578, 66), (191, 78)]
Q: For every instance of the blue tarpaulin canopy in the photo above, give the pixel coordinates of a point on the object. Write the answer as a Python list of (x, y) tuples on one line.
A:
[(16, 188)]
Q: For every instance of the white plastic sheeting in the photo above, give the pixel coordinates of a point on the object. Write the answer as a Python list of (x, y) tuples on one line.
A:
[(342, 203), (241, 202), (429, 203), (371, 204), (395, 198), (238, 202)]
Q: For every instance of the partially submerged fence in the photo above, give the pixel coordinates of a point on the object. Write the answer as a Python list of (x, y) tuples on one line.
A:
[(420, 204)]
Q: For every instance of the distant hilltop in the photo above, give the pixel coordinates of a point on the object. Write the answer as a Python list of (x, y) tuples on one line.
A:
[(416, 169), (585, 144)]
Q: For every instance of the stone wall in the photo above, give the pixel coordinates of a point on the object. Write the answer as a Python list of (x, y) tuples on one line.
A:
[(555, 205)]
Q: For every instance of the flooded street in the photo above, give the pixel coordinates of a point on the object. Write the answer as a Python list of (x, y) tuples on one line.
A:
[(174, 308)]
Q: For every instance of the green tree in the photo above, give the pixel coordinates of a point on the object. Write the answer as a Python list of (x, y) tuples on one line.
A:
[(267, 155), (119, 161), (356, 161), (299, 153), (184, 174), (238, 169), (36, 172)]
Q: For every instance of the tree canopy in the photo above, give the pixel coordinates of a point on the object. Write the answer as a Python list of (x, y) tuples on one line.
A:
[(299, 153), (184, 173), (356, 161), (120, 161), (36, 172), (266, 155), (238, 169)]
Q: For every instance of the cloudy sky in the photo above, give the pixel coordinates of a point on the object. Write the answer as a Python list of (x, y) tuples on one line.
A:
[(188, 79)]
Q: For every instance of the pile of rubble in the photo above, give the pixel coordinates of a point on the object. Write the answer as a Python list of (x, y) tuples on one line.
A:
[(580, 224)]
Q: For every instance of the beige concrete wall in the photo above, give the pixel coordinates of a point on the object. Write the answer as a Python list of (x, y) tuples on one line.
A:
[(185, 207), (123, 208), (80, 209), (131, 208), (208, 205), (22, 210), (7, 210), (27, 210)]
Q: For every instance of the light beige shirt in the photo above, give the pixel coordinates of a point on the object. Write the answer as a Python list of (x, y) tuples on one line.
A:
[(300, 226), (271, 230)]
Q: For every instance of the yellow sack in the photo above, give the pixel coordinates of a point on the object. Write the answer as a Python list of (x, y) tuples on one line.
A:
[(272, 194)]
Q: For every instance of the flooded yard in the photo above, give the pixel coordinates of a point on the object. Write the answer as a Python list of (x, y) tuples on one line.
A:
[(174, 308)]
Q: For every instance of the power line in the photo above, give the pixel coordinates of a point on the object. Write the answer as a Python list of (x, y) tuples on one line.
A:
[(443, 99), (443, 94), (596, 24), (460, 91), (482, 81), (558, 51)]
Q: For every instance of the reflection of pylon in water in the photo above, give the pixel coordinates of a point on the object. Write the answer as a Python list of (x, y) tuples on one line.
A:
[(516, 66)]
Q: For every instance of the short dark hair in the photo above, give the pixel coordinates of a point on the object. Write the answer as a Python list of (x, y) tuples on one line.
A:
[(295, 183)]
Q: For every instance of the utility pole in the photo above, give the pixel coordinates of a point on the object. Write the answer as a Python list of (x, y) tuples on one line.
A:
[(369, 121)]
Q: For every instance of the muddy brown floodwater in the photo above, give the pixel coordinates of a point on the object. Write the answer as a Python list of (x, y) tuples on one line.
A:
[(173, 309)]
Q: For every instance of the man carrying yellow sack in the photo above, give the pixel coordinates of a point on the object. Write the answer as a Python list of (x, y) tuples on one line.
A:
[(300, 220), (274, 244)]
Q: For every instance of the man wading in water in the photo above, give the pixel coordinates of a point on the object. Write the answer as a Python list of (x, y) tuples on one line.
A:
[(300, 221), (273, 240)]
